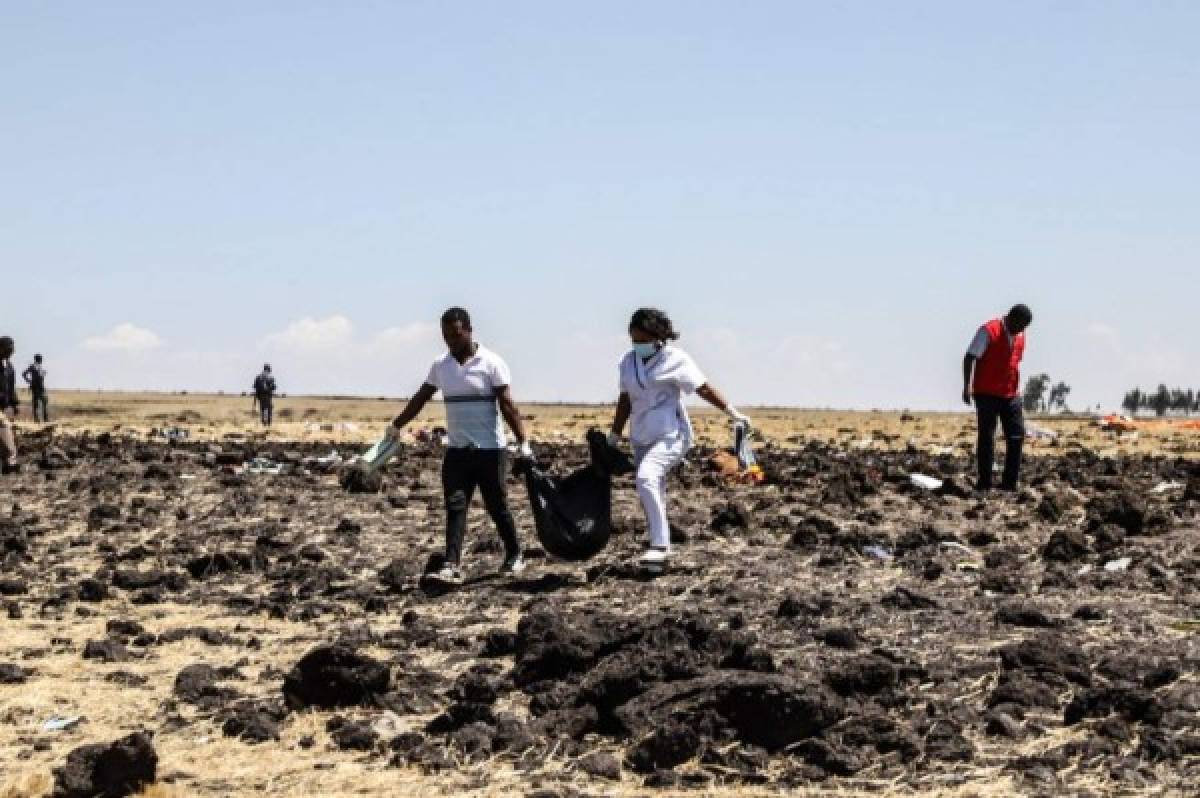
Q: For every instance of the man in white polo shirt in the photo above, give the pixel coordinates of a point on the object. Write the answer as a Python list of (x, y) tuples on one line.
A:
[(474, 382)]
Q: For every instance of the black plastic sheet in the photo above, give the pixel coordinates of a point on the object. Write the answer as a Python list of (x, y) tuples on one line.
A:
[(573, 515)]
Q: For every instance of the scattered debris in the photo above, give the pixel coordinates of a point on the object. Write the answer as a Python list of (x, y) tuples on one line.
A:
[(262, 465), (1034, 432), (62, 724), (925, 482), (878, 552)]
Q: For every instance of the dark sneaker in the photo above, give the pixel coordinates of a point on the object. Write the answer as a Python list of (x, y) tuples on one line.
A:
[(10, 468), (513, 565)]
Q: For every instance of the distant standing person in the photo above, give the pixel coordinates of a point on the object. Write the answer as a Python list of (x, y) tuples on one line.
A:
[(264, 395), (992, 376), (8, 407), (654, 378), (475, 385), (35, 377)]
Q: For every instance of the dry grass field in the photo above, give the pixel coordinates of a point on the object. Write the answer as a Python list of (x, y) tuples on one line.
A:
[(358, 420), (123, 502)]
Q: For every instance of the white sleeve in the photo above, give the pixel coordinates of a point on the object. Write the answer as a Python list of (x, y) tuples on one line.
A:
[(432, 377), (621, 376), (501, 376), (688, 376), (979, 343)]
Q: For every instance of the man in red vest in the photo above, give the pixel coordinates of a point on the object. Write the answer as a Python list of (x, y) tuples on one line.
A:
[(992, 375)]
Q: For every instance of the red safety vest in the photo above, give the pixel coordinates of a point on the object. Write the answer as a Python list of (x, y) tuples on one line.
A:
[(998, 372)]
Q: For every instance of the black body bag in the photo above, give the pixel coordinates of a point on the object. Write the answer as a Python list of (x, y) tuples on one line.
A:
[(573, 515)]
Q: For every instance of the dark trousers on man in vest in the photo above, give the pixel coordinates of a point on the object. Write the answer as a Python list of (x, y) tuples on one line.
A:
[(41, 407), (463, 470), (266, 411), (1011, 415)]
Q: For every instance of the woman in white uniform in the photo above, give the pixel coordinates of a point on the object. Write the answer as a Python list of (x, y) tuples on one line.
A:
[(655, 378)]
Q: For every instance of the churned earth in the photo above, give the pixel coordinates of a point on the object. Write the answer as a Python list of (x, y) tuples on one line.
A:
[(837, 630)]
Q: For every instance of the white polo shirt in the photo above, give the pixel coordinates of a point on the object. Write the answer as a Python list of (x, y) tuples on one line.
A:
[(656, 390), (469, 390)]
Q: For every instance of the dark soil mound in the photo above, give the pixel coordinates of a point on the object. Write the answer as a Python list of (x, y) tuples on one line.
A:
[(109, 770), (334, 676)]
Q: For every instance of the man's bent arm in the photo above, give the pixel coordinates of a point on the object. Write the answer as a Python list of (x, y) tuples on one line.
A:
[(415, 405)]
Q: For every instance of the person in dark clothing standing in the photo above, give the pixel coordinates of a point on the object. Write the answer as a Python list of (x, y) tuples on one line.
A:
[(9, 403), (35, 377), (264, 395), (474, 382), (992, 377)]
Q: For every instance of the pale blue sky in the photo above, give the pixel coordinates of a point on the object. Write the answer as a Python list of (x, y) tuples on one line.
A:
[(828, 197)]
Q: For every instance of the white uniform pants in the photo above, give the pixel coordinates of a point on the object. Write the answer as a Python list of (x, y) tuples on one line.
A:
[(654, 461)]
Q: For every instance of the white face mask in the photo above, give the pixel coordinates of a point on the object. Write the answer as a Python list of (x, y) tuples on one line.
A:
[(645, 350)]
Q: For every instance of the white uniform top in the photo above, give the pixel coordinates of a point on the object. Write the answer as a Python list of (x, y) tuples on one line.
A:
[(656, 389), (469, 391), (979, 343)]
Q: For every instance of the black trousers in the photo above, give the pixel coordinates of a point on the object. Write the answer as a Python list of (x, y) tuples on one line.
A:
[(266, 411), (462, 471), (1010, 413), (41, 407)]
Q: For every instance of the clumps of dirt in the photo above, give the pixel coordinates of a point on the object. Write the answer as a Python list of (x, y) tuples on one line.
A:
[(1048, 657), (335, 676), (13, 586), (199, 684), (1020, 614), (109, 770), (252, 721), (1191, 491), (904, 598), (361, 480), (849, 485), (670, 687), (13, 674), (352, 735), (109, 650), (874, 673), (14, 541), (731, 515), (832, 625), (1066, 545), (1133, 704), (768, 710), (221, 562)]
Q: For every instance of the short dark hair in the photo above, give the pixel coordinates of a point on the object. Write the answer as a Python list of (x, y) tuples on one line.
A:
[(37, 358), (1021, 312), (654, 323), (456, 314), (7, 343)]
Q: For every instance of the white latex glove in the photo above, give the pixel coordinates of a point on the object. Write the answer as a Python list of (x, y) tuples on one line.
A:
[(613, 439), (524, 450), (739, 417)]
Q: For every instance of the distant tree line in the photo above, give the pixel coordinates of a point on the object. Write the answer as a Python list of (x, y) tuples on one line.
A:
[(1164, 400), (1042, 395)]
